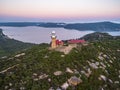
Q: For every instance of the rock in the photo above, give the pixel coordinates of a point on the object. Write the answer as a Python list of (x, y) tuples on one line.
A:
[(119, 71), (100, 57), (6, 87), (110, 80), (35, 79), (104, 55), (108, 65), (22, 88), (49, 79), (106, 71), (11, 73), (4, 57), (93, 65), (43, 76), (111, 61), (51, 88), (114, 57), (34, 74), (105, 85), (58, 88), (10, 84), (11, 58), (57, 73), (69, 70), (75, 71), (18, 55), (118, 50), (102, 77), (97, 63), (65, 86), (62, 55), (102, 88), (99, 78), (86, 74), (119, 76), (10, 89), (45, 56), (92, 60), (89, 72), (82, 72), (116, 82), (103, 65), (74, 81), (100, 53)]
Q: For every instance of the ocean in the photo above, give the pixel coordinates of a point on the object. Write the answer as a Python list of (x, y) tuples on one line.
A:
[(34, 34)]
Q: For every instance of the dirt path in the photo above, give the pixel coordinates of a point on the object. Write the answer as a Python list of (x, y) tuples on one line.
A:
[(9, 68)]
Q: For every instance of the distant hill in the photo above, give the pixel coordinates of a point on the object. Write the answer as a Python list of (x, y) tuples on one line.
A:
[(8, 46), (98, 26), (18, 24), (99, 36)]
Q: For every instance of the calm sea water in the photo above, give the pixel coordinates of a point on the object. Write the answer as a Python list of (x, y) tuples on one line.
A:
[(42, 35)]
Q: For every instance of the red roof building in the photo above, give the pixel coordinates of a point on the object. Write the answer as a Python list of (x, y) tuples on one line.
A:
[(76, 41), (58, 42)]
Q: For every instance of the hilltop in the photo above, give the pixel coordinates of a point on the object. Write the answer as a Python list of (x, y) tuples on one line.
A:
[(99, 36), (8, 45), (97, 26), (92, 67)]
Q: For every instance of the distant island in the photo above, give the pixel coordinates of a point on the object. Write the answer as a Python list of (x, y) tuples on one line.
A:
[(97, 26)]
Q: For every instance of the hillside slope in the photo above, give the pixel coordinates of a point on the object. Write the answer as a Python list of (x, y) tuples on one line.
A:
[(8, 46), (99, 36), (94, 67), (98, 26)]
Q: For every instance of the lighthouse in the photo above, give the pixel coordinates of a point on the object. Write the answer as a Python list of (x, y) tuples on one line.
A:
[(53, 42)]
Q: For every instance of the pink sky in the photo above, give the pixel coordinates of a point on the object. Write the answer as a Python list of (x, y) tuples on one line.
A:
[(59, 10)]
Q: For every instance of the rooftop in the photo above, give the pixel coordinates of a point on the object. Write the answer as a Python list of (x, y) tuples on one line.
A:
[(76, 41)]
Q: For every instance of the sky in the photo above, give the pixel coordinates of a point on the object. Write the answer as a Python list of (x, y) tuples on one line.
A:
[(59, 10)]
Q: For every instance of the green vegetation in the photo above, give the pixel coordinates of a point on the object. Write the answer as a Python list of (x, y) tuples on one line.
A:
[(9, 46), (97, 65)]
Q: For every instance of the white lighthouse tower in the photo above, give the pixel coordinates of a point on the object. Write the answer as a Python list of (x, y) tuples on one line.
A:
[(53, 42)]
